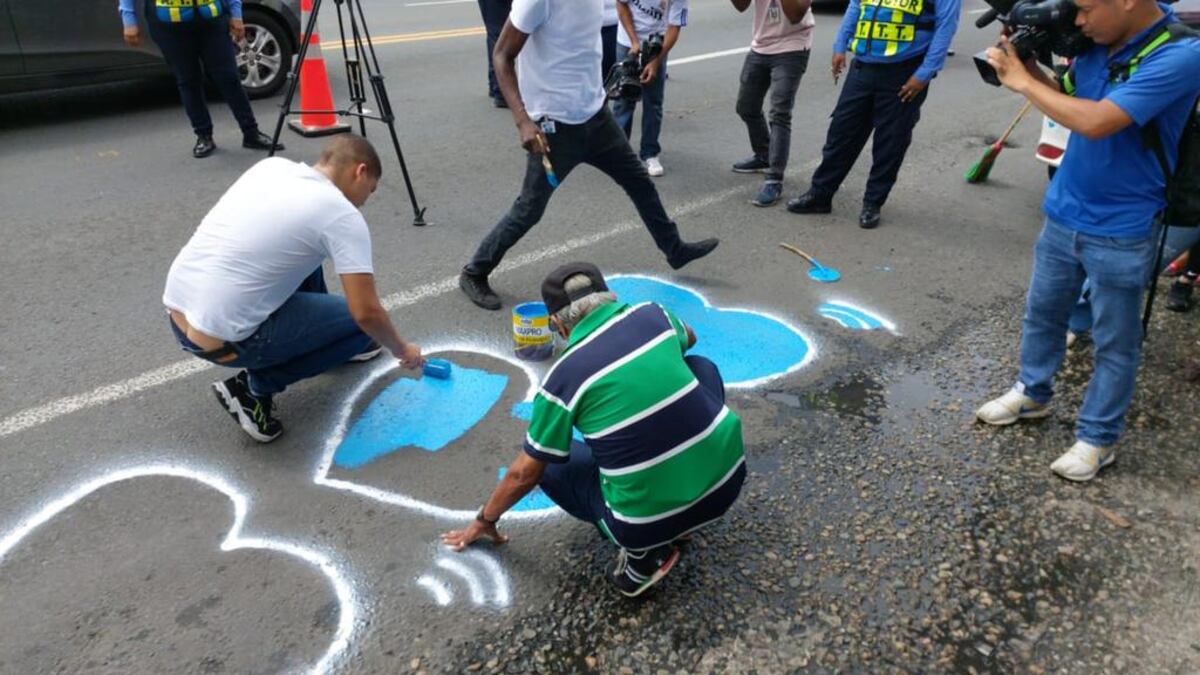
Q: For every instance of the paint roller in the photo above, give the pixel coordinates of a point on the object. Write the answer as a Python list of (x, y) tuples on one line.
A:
[(438, 369)]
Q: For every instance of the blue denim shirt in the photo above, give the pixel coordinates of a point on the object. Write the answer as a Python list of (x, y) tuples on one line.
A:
[(934, 44), (129, 12), (1114, 186)]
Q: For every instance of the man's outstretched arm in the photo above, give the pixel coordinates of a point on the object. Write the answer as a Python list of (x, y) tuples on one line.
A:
[(523, 475), (373, 319)]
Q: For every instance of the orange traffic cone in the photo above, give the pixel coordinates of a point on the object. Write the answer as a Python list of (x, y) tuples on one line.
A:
[(315, 94)]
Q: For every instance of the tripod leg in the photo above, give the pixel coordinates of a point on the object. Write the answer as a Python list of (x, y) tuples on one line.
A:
[(285, 108), (385, 109)]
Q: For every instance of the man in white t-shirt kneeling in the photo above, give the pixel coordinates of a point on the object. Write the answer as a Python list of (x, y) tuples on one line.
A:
[(561, 117), (248, 291)]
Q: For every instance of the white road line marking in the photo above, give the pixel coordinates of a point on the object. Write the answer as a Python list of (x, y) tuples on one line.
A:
[(441, 593), (109, 393), (704, 57), (439, 2), (978, 11)]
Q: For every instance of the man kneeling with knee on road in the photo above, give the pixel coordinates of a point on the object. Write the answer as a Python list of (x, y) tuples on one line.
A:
[(663, 455), (247, 291)]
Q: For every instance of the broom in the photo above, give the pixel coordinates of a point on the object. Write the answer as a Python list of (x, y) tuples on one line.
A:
[(979, 171)]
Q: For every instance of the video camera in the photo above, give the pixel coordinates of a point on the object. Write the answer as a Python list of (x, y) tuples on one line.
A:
[(1038, 28), (625, 79)]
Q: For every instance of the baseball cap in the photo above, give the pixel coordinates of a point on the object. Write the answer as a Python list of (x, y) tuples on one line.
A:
[(555, 295)]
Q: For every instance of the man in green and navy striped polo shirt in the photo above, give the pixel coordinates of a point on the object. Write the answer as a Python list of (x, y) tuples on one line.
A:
[(663, 455)]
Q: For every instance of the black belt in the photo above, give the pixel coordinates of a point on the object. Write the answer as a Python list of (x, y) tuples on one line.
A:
[(907, 63)]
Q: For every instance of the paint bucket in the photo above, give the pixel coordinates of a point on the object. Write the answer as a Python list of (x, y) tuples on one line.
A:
[(532, 338)]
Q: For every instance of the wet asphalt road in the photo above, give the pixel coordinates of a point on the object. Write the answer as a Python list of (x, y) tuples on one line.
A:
[(880, 531)]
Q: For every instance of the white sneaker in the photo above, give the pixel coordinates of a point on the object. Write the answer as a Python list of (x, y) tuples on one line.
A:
[(1083, 461), (654, 167), (1012, 406)]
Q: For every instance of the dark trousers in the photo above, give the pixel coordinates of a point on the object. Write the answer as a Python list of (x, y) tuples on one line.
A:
[(780, 74), (495, 13), (870, 101), (608, 44), (575, 485), (600, 143), (309, 334), (189, 45)]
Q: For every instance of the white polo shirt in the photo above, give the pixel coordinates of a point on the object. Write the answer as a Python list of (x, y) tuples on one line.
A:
[(558, 70), (653, 16), (266, 234)]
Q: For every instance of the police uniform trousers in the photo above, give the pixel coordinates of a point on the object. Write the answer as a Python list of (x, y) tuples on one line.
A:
[(870, 102)]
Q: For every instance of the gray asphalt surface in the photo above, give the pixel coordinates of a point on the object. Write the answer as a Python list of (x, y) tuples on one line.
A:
[(881, 530)]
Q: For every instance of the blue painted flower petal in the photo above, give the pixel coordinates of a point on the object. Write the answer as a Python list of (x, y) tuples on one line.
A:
[(745, 345), (427, 413)]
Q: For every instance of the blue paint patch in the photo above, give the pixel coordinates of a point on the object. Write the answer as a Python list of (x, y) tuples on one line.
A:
[(852, 318), (427, 413), (534, 501), (746, 346)]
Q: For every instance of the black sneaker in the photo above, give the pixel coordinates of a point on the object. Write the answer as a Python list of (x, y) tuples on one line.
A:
[(694, 251), (753, 164), (257, 140), (204, 147), (369, 352), (634, 572), (252, 413), (809, 202), (1179, 298), (476, 287), (869, 218)]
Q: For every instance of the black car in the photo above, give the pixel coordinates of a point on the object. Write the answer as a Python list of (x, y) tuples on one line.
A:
[(47, 44)]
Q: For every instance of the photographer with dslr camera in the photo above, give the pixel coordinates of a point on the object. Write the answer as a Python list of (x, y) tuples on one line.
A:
[(1134, 90), (548, 66), (640, 21)]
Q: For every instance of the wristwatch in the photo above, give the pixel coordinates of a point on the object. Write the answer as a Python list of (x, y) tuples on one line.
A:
[(480, 517)]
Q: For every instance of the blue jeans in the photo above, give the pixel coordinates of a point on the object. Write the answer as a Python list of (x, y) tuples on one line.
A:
[(652, 109), (575, 484), (309, 334), (1179, 239), (1117, 270)]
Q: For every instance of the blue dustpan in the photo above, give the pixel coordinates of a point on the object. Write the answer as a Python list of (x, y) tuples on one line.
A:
[(818, 272)]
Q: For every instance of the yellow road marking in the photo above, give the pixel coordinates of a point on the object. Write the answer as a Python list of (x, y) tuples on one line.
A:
[(412, 37)]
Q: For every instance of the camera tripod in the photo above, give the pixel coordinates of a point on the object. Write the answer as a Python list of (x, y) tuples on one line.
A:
[(360, 59)]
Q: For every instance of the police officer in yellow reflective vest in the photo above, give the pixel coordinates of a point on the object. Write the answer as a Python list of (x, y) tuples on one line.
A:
[(194, 32), (898, 47)]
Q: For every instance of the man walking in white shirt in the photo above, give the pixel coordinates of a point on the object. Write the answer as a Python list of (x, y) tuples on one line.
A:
[(562, 119)]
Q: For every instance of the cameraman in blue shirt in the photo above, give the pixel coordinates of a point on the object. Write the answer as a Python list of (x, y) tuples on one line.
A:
[(1102, 213)]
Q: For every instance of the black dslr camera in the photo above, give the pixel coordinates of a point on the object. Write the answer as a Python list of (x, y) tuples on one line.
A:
[(1040, 28), (625, 79)]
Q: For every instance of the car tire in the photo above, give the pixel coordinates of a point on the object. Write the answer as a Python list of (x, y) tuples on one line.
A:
[(1050, 171), (265, 59)]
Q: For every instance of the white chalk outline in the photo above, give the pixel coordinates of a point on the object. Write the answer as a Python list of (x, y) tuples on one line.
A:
[(321, 474), (348, 607), (501, 596), (744, 384), (886, 324)]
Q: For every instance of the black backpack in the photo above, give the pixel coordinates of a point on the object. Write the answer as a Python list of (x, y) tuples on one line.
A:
[(1183, 186)]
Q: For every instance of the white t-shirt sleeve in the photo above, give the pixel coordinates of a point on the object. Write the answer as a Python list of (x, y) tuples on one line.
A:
[(528, 15), (348, 243), (678, 12)]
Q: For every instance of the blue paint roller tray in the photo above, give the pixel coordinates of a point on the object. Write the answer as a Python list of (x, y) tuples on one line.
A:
[(817, 272)]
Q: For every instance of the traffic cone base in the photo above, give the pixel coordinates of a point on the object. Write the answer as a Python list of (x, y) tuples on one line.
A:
[(299, 127)]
